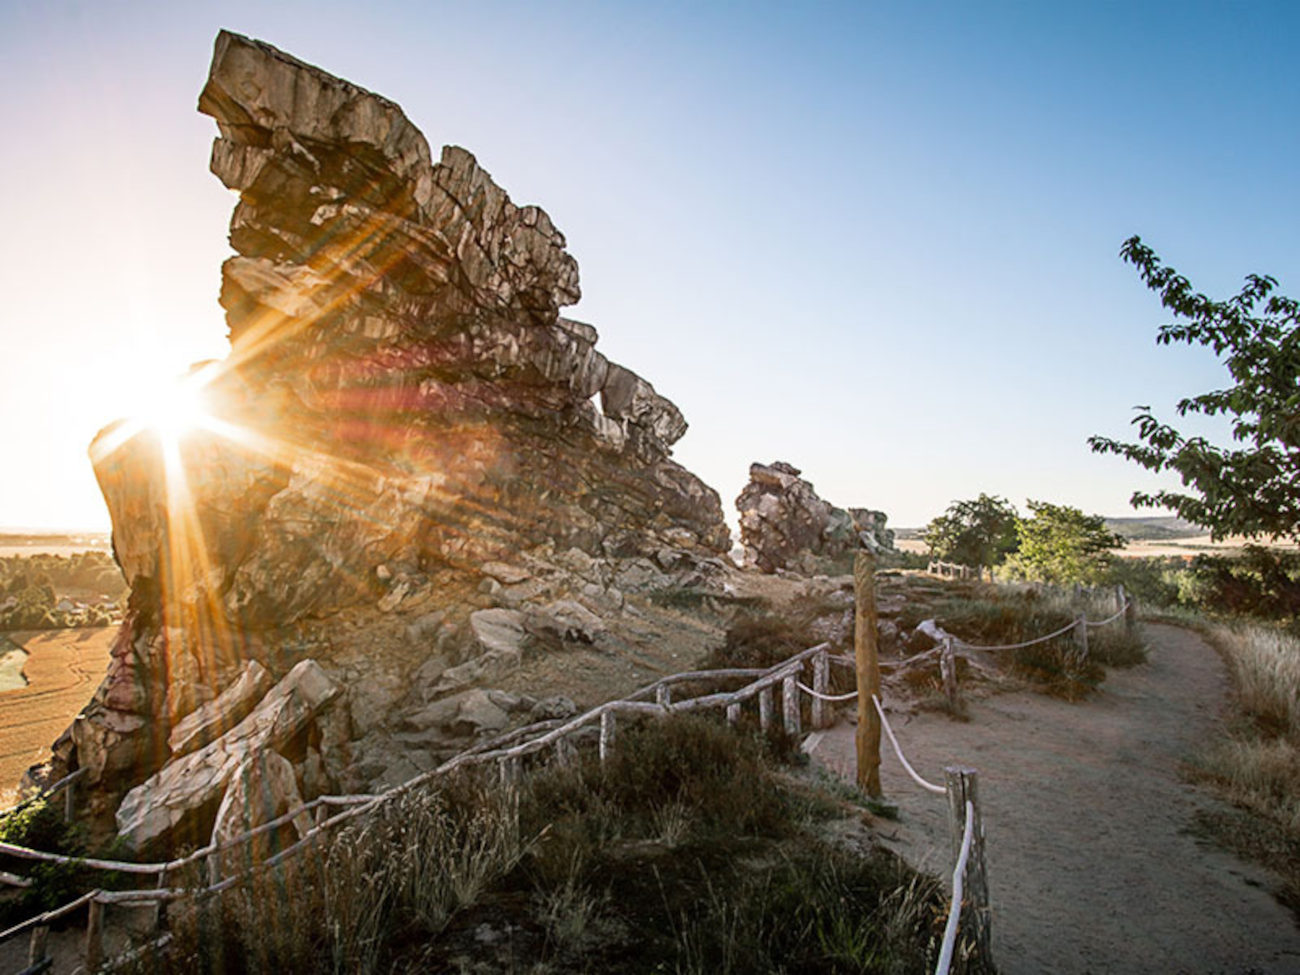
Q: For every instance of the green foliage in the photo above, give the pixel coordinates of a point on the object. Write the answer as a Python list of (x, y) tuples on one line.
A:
[(1257, 583), (1249, 488), (40, 826), (1261, 583), (1060, 544), (981, 532)]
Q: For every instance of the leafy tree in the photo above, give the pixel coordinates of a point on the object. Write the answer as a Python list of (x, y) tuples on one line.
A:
[(1061, 544), (1254, 488), (976, 533)]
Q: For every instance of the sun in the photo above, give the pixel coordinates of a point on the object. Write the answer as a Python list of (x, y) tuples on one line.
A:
[(175, 409)]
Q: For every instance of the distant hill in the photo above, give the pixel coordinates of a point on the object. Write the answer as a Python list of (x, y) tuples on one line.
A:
[(1154, 528), (1136, 529)]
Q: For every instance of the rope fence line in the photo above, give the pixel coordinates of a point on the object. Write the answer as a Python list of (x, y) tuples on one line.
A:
[(503, 749), (958, 878), (898, 750), (508, 749)]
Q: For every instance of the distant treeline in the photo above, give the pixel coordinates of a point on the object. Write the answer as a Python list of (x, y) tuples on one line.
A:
[(40, 592)]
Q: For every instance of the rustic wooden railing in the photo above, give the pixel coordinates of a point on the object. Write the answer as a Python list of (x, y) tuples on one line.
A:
[(969, 907)]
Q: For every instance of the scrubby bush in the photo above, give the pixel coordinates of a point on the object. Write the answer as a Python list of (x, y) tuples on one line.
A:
[(684, 852)]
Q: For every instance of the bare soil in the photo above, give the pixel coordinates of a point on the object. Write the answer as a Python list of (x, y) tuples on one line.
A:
[(1091, 861), (63, 669)]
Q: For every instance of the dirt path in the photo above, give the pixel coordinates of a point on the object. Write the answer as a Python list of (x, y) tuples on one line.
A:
[(1091, 867), (63, 668)]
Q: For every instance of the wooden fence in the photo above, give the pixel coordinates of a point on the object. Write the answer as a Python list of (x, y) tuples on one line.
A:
[(508, 751)]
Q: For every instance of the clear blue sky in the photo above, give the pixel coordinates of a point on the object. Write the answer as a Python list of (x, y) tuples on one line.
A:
[(876, 240)]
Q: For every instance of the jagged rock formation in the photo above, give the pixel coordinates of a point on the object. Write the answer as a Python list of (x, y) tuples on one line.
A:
[(785, 525), (402, 416)]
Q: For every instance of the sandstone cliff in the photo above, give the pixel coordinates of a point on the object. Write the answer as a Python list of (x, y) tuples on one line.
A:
[(407, 447)]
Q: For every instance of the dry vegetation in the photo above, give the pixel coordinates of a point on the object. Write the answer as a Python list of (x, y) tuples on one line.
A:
[(1256, 765), (694, 849)]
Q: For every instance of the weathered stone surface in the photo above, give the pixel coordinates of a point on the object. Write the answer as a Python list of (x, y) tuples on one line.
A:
[(210, 721), (261, 789), (183, 787), (403, 414), (785, 525), (565, 619), (397, 347)]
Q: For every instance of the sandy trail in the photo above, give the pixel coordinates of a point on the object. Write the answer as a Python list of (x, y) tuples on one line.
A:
[(1091, 866), (63, 669)]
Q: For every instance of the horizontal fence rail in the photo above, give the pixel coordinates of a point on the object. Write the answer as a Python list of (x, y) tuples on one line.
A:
[(509, 749)]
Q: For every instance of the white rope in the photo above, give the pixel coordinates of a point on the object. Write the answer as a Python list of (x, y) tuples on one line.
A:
[(884, 723), (1018, 646), (1111, 619), (825, 697), (954, 911)]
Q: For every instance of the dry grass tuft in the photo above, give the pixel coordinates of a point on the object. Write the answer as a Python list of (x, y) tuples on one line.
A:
[(1257, 765)]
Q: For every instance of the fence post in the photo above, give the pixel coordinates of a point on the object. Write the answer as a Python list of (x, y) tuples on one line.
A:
[(663, 695), (948, 668), (868, 669), (95, 936), (765, 707), (821, 682), (607, 731), (36, 948), (1130, 615), (963, 786), (733, 713), (1081, 637), (564, 751), (790, 705), (69, 802)]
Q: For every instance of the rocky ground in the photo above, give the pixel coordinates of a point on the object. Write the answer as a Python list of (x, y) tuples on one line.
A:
[(1092, 864)]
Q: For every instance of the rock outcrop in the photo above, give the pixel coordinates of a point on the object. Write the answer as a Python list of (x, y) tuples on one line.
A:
[(785, 525), (405, 429)]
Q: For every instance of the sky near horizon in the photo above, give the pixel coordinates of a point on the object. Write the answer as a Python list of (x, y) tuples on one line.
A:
[(878, 241)]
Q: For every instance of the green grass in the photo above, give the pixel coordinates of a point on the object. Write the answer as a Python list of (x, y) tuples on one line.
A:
[(692, 850)]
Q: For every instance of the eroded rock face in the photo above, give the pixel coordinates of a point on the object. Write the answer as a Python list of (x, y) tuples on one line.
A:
[(403, 413), (401, 386), (182, 789), (785, 525)]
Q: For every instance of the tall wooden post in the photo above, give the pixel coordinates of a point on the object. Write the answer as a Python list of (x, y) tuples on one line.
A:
[(95, 936), (948, 669), (765, 707), (790, 706), (607, 732), (868, 667), (36, 948), (664, 696), (1081, 638), (733, 713), (974, 937), (1130, 613), (821, 684)]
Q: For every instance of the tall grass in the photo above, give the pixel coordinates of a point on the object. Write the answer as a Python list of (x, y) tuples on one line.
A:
[(1000, 615), (684, 852), (1257, 764)]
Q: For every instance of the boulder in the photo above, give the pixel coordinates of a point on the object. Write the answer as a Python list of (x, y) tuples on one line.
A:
[(261, 789), (183, 787), (215, 718), (785, 525), (564, 619)]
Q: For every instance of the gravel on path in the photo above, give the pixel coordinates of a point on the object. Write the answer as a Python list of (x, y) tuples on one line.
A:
[(1092, 868)]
